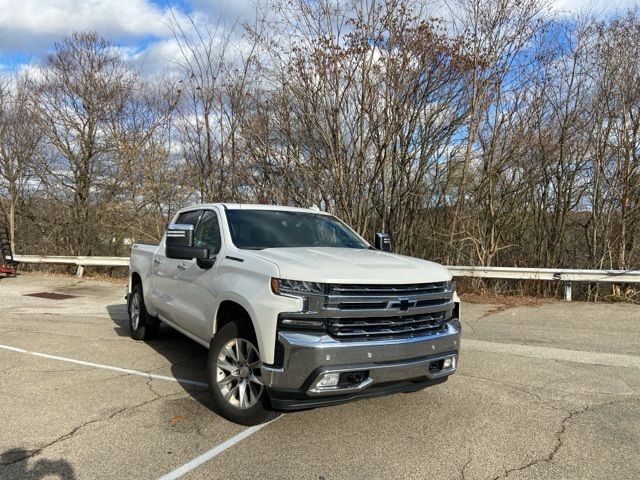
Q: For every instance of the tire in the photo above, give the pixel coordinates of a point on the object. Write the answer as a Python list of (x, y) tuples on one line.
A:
[(142, 326), (234, 380)]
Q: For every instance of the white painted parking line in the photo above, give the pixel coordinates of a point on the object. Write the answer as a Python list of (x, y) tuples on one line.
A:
[(106, 367), (214, 452)]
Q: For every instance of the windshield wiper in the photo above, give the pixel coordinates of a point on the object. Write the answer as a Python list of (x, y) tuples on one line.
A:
[(260, 248)]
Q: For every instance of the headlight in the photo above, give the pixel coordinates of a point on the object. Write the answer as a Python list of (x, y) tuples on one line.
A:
[(449, 286), (302, 323), (281, 286), (312, 296)]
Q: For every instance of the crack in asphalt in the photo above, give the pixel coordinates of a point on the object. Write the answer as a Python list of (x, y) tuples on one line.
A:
[(520, 387), (66, 436), (72, 432), (151, 389), (558, 436), (558, 442), (468, 323), (550, 384), (464, 467)]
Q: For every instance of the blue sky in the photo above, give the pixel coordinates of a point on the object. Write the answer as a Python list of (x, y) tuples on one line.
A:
[(140, 27), (28, 28)]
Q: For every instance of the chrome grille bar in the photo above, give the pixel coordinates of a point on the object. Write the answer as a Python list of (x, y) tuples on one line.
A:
[(364, 311), (386, 290)]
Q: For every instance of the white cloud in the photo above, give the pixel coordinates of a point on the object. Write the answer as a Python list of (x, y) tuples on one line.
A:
[(31, 25), (229, 10), (593, 6), (141, 27), (157, 57), (32, 70)]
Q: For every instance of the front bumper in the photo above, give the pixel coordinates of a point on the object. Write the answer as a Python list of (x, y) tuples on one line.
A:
[(386, 366)]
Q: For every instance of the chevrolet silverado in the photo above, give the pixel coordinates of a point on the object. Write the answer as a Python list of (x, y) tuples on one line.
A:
[(296, 309)]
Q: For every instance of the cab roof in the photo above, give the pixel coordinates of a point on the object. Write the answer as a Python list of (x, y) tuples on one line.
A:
[(255, 206)]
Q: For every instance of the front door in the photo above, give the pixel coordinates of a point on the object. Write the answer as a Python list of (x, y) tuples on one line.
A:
[(166, 272), (196, 292)]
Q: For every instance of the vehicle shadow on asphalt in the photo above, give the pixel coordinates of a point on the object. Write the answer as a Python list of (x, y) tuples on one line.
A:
[(187, 358), (15, 461)]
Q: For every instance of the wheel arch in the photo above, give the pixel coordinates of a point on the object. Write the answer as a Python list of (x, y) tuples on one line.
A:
[(234, 308), (230, 311), (135, 279)]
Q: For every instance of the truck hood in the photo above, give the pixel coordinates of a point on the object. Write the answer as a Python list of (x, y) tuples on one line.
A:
[(349, 265)]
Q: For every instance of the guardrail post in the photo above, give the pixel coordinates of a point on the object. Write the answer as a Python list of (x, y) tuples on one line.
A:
[(80, 271), (567, 291)]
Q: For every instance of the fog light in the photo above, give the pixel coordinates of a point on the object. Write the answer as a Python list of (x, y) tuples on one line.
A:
[(329, 380), (353, 378), (449, 362)]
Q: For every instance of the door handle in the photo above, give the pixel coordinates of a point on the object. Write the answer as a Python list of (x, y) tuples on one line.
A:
[(182, 266), (156, 261)]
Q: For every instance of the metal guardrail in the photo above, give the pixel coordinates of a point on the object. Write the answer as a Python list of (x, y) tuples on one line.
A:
[(550, 274), (507, 273), (563, 274), (81, 262)]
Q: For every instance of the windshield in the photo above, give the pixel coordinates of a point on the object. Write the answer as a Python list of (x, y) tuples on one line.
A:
[(258, 229)]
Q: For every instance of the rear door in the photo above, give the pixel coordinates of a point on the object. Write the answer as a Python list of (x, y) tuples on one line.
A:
[(166, 272), (197, 296)]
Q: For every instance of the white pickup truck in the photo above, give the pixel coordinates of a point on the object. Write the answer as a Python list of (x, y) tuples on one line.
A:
[(297, 310)]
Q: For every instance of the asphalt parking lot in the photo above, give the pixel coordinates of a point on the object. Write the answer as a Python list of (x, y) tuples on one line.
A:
[(547, 391)]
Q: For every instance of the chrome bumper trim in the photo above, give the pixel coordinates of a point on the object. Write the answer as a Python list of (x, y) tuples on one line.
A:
[(306, 355)]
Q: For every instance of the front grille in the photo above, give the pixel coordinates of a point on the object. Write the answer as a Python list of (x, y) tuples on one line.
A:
[(386, 327), (382, 311), (386, 290), (393, 303), (361, 312)]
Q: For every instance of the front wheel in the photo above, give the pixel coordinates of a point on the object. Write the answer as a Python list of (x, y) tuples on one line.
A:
[(235, 380)]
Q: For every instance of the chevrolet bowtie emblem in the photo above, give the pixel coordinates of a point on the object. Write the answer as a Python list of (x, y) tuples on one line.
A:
[(403, 303)]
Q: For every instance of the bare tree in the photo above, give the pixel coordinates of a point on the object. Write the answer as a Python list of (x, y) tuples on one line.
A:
[(503, 136), (216, 70), (152, 177), (80, 100), (365, 97), (20, 142), (497, 32)]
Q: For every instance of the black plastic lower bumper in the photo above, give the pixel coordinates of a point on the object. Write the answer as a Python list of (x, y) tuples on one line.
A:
[(298, 400)]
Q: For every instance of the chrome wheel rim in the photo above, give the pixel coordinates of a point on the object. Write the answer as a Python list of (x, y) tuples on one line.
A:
[(135, 311), (238, 375)]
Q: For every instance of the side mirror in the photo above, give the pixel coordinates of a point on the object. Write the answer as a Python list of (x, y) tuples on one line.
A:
[(179, 243), (382, 242)]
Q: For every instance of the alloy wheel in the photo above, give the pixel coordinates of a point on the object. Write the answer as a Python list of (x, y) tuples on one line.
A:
[(135, 311), (238, 373)]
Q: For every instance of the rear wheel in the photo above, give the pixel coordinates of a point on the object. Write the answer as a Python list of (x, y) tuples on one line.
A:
[(142, 326), (235, 380)]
